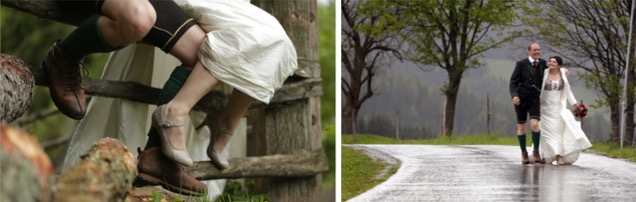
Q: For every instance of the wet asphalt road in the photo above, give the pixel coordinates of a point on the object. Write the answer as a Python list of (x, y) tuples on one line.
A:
[(495, 173)]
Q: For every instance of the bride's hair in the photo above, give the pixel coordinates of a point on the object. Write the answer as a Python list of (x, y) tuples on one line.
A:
[(558, 59)]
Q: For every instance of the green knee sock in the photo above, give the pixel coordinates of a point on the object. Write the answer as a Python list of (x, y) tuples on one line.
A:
[(86, 39), (536, 136), (522, 142), (170, 89)]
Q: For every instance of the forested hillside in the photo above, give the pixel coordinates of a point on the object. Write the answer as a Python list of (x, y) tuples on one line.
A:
[(416, 95)]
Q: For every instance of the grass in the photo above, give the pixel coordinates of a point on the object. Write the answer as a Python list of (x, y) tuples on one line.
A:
[(329, 145), (358, 170)]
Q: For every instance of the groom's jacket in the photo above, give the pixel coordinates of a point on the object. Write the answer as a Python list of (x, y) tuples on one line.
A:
[(524, 82)]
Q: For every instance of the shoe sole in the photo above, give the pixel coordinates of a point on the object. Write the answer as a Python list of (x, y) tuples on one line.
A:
[(148, 180)]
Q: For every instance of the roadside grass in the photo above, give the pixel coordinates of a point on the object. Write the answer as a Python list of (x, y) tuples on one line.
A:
[(358, 169), (359, 172)]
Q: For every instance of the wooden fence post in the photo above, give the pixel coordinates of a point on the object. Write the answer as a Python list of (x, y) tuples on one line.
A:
[(289, 127)]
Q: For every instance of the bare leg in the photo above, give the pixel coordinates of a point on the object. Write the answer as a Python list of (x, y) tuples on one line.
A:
[(534, 125), (187, 47), (521, 129), (199, 83), (125, 22), (231, 116)]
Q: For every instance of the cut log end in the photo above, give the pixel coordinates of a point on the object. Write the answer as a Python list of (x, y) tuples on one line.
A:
[(23, 162), (16, 87), (105, 173)]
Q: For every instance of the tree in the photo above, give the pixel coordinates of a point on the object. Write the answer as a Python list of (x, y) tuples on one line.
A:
[(592, 35), (451, 35), (363, 51)]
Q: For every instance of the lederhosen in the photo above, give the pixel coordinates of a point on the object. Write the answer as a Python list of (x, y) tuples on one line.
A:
[(172, 22)]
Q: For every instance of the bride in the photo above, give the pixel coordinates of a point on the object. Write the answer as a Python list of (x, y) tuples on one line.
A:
[(562, 138)]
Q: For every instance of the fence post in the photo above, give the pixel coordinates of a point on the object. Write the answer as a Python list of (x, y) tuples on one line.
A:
[(286, 128), (488, 113), (397, 126)]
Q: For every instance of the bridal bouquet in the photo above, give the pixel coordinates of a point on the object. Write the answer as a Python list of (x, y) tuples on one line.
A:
[(580, 111)]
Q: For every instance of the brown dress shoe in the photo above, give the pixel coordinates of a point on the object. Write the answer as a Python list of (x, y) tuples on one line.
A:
[(156, 169), (524, 158), (65, 83), (537, 157)]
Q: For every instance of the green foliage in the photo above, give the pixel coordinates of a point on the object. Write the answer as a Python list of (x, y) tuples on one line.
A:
[(614, 150), (359, 172), (327, 52), (601, 80), (234, 191), (329, 145), (447, 33), (156, 197)]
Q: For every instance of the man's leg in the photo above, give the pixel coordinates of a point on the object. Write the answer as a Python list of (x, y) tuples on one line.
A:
[(521, 132), (121, 22), (536, 134)]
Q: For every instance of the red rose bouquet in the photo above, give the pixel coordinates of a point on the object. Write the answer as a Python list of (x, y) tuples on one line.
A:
[(580, 111)]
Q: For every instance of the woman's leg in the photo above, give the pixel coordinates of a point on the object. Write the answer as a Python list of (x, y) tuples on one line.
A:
[(231, 116), (199, 83)]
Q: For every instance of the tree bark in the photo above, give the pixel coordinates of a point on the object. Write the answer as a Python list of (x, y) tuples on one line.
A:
[(454, 80), (105, 173), (49, 9), (16, 88)]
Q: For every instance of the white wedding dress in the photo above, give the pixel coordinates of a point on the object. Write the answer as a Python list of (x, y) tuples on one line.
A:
[(561, 134), (245, 47)]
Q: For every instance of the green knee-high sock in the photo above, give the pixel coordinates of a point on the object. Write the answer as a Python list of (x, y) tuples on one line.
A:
[(170, 89), (86, 39), (536, 136), (522, 142)]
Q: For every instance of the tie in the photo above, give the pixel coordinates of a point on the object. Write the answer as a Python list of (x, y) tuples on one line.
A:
[(534, 66)]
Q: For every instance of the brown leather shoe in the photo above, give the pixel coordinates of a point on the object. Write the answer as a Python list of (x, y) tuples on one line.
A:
[(524, 158), (65, 83), (156, 169), (537, 157)]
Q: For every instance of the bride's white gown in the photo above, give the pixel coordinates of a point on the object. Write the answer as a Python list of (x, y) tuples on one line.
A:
[(561, 134)]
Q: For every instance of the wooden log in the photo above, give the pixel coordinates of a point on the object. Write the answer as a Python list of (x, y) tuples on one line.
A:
[(291, 90), (105, 173), (16, 88), (300, 165), (49, 9), (24, 165)]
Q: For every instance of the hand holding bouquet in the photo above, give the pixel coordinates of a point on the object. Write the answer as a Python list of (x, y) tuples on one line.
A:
[(580, 110)]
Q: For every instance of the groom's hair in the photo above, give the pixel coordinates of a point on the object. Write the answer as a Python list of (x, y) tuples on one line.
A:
[(558, 59)]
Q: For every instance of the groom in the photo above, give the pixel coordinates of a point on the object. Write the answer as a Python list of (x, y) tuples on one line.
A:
[(525, 84)]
